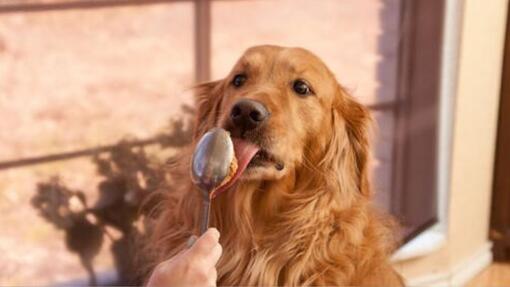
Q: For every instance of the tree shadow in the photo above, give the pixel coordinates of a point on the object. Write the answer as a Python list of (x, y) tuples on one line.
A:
[(129, 175)]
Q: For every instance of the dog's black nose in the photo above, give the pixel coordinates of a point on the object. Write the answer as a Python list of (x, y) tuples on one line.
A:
[(248, 114)]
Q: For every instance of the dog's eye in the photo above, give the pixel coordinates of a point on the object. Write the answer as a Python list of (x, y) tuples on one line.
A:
[(239, 80), (301, 88)]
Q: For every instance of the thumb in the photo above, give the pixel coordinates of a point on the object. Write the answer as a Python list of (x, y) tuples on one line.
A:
[(207, 246)]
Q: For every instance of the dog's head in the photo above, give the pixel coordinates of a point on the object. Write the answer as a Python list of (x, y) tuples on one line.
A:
[(288, 104)]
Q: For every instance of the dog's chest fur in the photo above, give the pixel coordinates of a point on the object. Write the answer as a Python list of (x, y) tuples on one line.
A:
[(287, 239)]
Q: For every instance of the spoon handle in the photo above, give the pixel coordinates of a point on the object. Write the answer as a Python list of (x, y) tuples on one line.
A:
[(204, 222)]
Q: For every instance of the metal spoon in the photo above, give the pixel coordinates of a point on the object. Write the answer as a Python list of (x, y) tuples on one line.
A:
[(210, 165)]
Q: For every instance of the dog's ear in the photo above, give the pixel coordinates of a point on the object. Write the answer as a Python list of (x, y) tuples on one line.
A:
[(208, 98), (350, 143), (358, 127)]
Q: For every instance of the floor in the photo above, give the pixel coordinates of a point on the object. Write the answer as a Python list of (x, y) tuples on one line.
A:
[(496, 275)]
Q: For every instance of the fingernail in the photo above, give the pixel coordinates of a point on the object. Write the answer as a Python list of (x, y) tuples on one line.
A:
[(215, 232)]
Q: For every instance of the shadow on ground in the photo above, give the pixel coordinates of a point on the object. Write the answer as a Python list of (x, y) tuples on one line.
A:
[(129, 175)]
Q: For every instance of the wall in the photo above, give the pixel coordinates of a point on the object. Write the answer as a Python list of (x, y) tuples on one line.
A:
[(467, 249)]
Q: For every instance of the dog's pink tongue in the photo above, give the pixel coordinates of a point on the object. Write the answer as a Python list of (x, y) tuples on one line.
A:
[(244, 152)]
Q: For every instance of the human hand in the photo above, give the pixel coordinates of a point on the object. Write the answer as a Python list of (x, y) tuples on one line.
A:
[(195, 266)]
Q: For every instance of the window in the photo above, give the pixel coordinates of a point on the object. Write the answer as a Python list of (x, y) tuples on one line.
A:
[(80, 76)]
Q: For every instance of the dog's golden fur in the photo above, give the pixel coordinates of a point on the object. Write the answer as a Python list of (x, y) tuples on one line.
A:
[(311, 223)]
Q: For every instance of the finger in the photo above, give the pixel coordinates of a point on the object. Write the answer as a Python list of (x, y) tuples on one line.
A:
[(215, 255), (205, 244), (213, 277)]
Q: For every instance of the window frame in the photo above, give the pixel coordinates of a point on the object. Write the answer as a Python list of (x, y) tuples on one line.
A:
[(435, 237), (500, 213), (417, 116)]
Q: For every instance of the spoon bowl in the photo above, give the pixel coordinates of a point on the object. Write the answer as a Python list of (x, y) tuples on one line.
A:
[(211, 160), (210, 166)]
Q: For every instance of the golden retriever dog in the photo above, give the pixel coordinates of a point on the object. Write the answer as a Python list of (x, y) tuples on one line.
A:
[(300, 213)]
